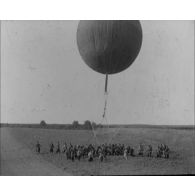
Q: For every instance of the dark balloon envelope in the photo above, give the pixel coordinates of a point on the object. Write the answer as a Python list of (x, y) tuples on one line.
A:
[(109, 47)]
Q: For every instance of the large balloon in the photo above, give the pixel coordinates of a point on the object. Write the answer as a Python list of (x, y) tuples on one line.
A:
[(109, 46)]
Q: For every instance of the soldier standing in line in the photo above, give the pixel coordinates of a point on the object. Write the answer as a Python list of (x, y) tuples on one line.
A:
[(51, 148), (38, 147), (149, 151), (58, 148)]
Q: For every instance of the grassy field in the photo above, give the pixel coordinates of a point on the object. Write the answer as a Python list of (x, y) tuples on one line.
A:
[(181, 143)]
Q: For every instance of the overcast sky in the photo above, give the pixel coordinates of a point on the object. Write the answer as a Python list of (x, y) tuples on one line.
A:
[(44, 77)]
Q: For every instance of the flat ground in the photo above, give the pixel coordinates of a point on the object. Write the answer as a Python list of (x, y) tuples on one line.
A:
[(18, 156)]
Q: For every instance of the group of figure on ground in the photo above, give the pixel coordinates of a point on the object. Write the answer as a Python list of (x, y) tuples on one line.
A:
[(102, 151)]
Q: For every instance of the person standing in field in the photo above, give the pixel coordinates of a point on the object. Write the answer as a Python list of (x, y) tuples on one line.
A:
[(90, 156), (51, 148), (38, 147), (166, 151), (125, 154), (141, 150), (149, 151), (101, 157), (58, 148), (64, 147), (132, 151), (79, 153), (72, 155)]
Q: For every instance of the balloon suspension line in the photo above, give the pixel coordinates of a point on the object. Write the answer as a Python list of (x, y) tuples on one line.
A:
[(106, 97), (104, 118), (104, 111)]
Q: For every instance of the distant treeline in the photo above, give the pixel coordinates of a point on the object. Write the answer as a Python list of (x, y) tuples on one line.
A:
[(88, 125)]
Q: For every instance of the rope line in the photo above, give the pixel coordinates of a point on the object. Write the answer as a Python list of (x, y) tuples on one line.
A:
[(104, 122)]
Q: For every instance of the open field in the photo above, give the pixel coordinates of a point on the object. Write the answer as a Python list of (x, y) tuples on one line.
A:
[(18, 155)]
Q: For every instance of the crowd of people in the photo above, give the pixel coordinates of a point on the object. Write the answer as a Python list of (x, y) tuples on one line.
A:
[(102, 151)]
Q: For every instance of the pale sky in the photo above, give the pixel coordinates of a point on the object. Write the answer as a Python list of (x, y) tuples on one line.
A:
[(44, 78)]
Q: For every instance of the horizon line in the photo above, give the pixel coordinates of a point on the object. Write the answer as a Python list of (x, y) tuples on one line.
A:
[(130, 124)]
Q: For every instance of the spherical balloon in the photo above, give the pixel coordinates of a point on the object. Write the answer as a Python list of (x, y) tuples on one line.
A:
[(109, 46)]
